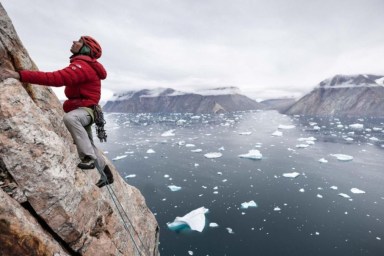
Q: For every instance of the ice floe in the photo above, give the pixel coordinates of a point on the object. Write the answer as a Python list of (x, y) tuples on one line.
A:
[(356, 126), (196, 150), (277, 209), (246, 205), (285, 127), (169, 133), (195, 220), (252, 154), (230, 231), (130, 176), (119, 157), (323, 160), (344, 195), (342, 157), (213, 155), (277, 134), (174, 188), (357, 191), (150, 151), (245, 133), (291, 174), (213, 225)]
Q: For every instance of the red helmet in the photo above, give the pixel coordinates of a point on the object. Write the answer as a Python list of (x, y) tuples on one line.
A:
[(93, 45)]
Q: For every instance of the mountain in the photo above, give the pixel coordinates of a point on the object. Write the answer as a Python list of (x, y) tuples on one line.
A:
[(48, 206), (279, 104), (343, 95), (167, 100)]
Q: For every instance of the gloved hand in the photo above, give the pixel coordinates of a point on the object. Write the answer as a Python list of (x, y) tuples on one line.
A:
[(7, 73)]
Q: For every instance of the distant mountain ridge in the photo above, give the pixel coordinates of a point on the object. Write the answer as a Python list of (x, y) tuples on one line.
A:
[(343, 95), (168, 100)]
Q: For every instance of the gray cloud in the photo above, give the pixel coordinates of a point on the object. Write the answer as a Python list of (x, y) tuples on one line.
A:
[(266, 48)]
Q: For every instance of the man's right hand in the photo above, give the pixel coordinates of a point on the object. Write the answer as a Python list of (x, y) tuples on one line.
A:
[(7, 73)]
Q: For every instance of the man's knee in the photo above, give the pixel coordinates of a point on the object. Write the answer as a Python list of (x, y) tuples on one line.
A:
[(68, 119)]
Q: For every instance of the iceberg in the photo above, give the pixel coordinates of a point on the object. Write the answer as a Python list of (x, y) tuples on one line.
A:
[(195, 220), (119, 157), (245, 133), (230, 231), (213, 155), (356, 126), (213, 225), (302, 146), (174, 188), (130, 176), (323, 160), (246, 205), (344, 195), (168, 133), (252, 154), (291, 174), (285, 127), (342, 157), (307, 139), (150, 151), (357, 191), (277, 134)]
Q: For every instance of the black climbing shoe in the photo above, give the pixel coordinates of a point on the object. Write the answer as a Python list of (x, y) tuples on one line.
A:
[(87, 163), (105, 179)]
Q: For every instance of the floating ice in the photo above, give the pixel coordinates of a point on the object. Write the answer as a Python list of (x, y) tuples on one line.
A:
[(323, 160), (181, 122), (285, 127), (374, 139), (302, 146), (319, 196), (302, 190), (213, 225), (169, 133), (130, 176), (196, 150), (307, 139), (195, 220), (190, 252), (246, 205), (245, 133), (190, 145), (150, 151), (174, 188), (344, 195), (356, 126), (357, 191), (119, 157), (276, 209), (230, 231), (277, 134), (291, 174), (342, 157), (252, 154), (213, 155), (334, 187)]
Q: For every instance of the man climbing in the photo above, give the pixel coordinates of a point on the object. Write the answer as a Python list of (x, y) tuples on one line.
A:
[(82, 81)]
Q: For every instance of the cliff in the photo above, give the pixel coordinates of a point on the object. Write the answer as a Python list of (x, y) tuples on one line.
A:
[(341, 95), (219, 100), (47, 205)]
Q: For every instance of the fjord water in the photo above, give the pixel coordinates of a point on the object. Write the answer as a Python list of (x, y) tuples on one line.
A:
[(306, 215)]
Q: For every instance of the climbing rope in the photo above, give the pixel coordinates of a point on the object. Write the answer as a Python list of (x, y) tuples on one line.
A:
[(114, 199)]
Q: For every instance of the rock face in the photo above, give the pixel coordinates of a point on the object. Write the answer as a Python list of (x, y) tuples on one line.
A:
[(168, 100), (280, 105), (47, 205), (359, 95)]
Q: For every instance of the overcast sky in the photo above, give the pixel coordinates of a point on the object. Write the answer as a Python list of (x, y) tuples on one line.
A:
[(267, 48)]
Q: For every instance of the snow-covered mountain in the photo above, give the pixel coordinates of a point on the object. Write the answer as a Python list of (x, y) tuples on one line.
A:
[(167, 100), (344, 95)]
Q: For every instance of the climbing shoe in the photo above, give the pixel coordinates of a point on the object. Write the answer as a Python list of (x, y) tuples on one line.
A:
[(106, 178), (87, 163)]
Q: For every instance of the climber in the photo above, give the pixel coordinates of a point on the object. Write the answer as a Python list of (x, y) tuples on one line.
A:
[(82, 81)]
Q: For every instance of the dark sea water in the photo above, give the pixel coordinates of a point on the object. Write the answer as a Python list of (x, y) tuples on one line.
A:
[(305, 215)]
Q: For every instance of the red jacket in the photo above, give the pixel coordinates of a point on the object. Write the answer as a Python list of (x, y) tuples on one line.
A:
[(82, 81)]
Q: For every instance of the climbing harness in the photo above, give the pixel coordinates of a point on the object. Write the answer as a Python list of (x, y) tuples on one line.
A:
[(100, 122), (121, 212)]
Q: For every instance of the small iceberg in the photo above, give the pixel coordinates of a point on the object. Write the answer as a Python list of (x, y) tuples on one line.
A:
[(213, 225), (169, 133), (291, 174), (323, 160), (252, 154), (195, 220), (285, 127), (356, 126), (130, 176), (245, 133), (213, 155), (119, 157), (246, 205), (342, 157), (150, 151), (174, 188), (277, 134), (344, 195), (357, 191)]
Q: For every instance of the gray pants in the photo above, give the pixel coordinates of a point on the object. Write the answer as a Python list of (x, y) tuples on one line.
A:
[(76, 121)]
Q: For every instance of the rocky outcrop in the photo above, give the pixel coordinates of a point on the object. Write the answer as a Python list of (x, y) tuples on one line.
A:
[(280, 105), (47, 205), (354, 96), (168, 100)]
